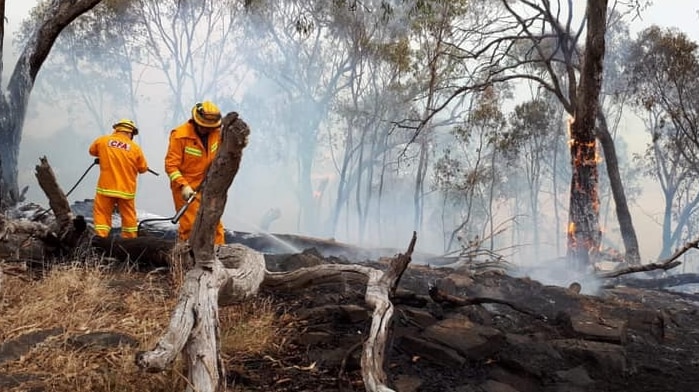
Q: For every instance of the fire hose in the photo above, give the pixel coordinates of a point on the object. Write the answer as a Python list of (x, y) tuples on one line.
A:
[(93, 164), (176, 217)]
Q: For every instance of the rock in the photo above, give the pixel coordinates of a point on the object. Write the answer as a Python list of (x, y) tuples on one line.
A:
[(576, 376), (606, 357), (102, 340), (472, 341), (460, 279), (596, 328), (433, 352), (530, 358), (496, 386), (405, 383), (418, 317), (523, 383), (650, 321), (11, 350)]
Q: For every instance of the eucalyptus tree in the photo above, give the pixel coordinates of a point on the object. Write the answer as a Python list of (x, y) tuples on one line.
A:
[(375, 98), (301, 48), (539, 42), (436, 63), (663, 69), (125, 45), (528, 143), (661, 74), (16, 91), (87, 81), (194, 45), (678, 183), (472, 169)]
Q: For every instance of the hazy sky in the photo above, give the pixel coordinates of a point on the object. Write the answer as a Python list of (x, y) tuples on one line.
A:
[(647, 213), (678, 13)]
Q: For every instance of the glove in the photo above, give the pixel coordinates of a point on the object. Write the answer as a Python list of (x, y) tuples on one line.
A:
[(97, 161), (187, 192)]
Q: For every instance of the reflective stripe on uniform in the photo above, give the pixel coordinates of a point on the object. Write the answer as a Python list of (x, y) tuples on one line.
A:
[(102, 227), (175, 175), (113, 193), (130, 229), (193, 151), (214, 147)]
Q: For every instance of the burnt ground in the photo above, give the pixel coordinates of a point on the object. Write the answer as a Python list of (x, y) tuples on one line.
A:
[(520, 336), (547, 339)]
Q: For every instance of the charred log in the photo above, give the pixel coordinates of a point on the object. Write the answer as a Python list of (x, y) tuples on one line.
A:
[(140, 252), (660, 283)]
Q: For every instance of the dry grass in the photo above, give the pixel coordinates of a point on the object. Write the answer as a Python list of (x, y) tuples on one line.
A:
[(83, 300)]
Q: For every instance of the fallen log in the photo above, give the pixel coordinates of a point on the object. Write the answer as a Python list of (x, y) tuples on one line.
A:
[(660, 283), (665, 265), (141, 252), (35, 242), (22, 240)]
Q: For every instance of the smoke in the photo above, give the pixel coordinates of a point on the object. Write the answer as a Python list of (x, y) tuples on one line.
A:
[(558, 272), (291, 88)]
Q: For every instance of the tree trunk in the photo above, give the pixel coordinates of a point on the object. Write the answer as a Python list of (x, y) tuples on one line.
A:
[(14, 103), (9, 163), (584, 232), (419, 190), (628, 233)]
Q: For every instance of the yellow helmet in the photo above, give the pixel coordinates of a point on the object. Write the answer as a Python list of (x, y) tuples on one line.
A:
[(206, 114), (125, 125)]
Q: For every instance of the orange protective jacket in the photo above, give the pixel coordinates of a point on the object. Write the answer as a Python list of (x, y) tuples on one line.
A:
[(187, 159), (120, 162)]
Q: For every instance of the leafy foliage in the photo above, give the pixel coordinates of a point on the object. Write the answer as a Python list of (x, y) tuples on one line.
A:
[(663, 64)]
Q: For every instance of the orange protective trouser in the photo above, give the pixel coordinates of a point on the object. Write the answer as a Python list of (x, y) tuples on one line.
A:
[(187, 220), (102, 215)]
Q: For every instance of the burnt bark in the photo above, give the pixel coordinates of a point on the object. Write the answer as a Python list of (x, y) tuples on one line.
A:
[(13, 103), (584, 231), (57, 199)]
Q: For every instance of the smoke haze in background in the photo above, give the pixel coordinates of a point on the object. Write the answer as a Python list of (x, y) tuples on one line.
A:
[(265, 183)]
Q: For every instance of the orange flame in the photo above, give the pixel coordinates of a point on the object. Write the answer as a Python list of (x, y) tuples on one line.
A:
[(569, 129)]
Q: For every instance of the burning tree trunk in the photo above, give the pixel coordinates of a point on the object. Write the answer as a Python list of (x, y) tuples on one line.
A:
[(584, 232)]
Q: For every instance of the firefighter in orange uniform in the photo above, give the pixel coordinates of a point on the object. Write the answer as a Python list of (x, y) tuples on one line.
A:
[(120, 160), (192, 148)]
